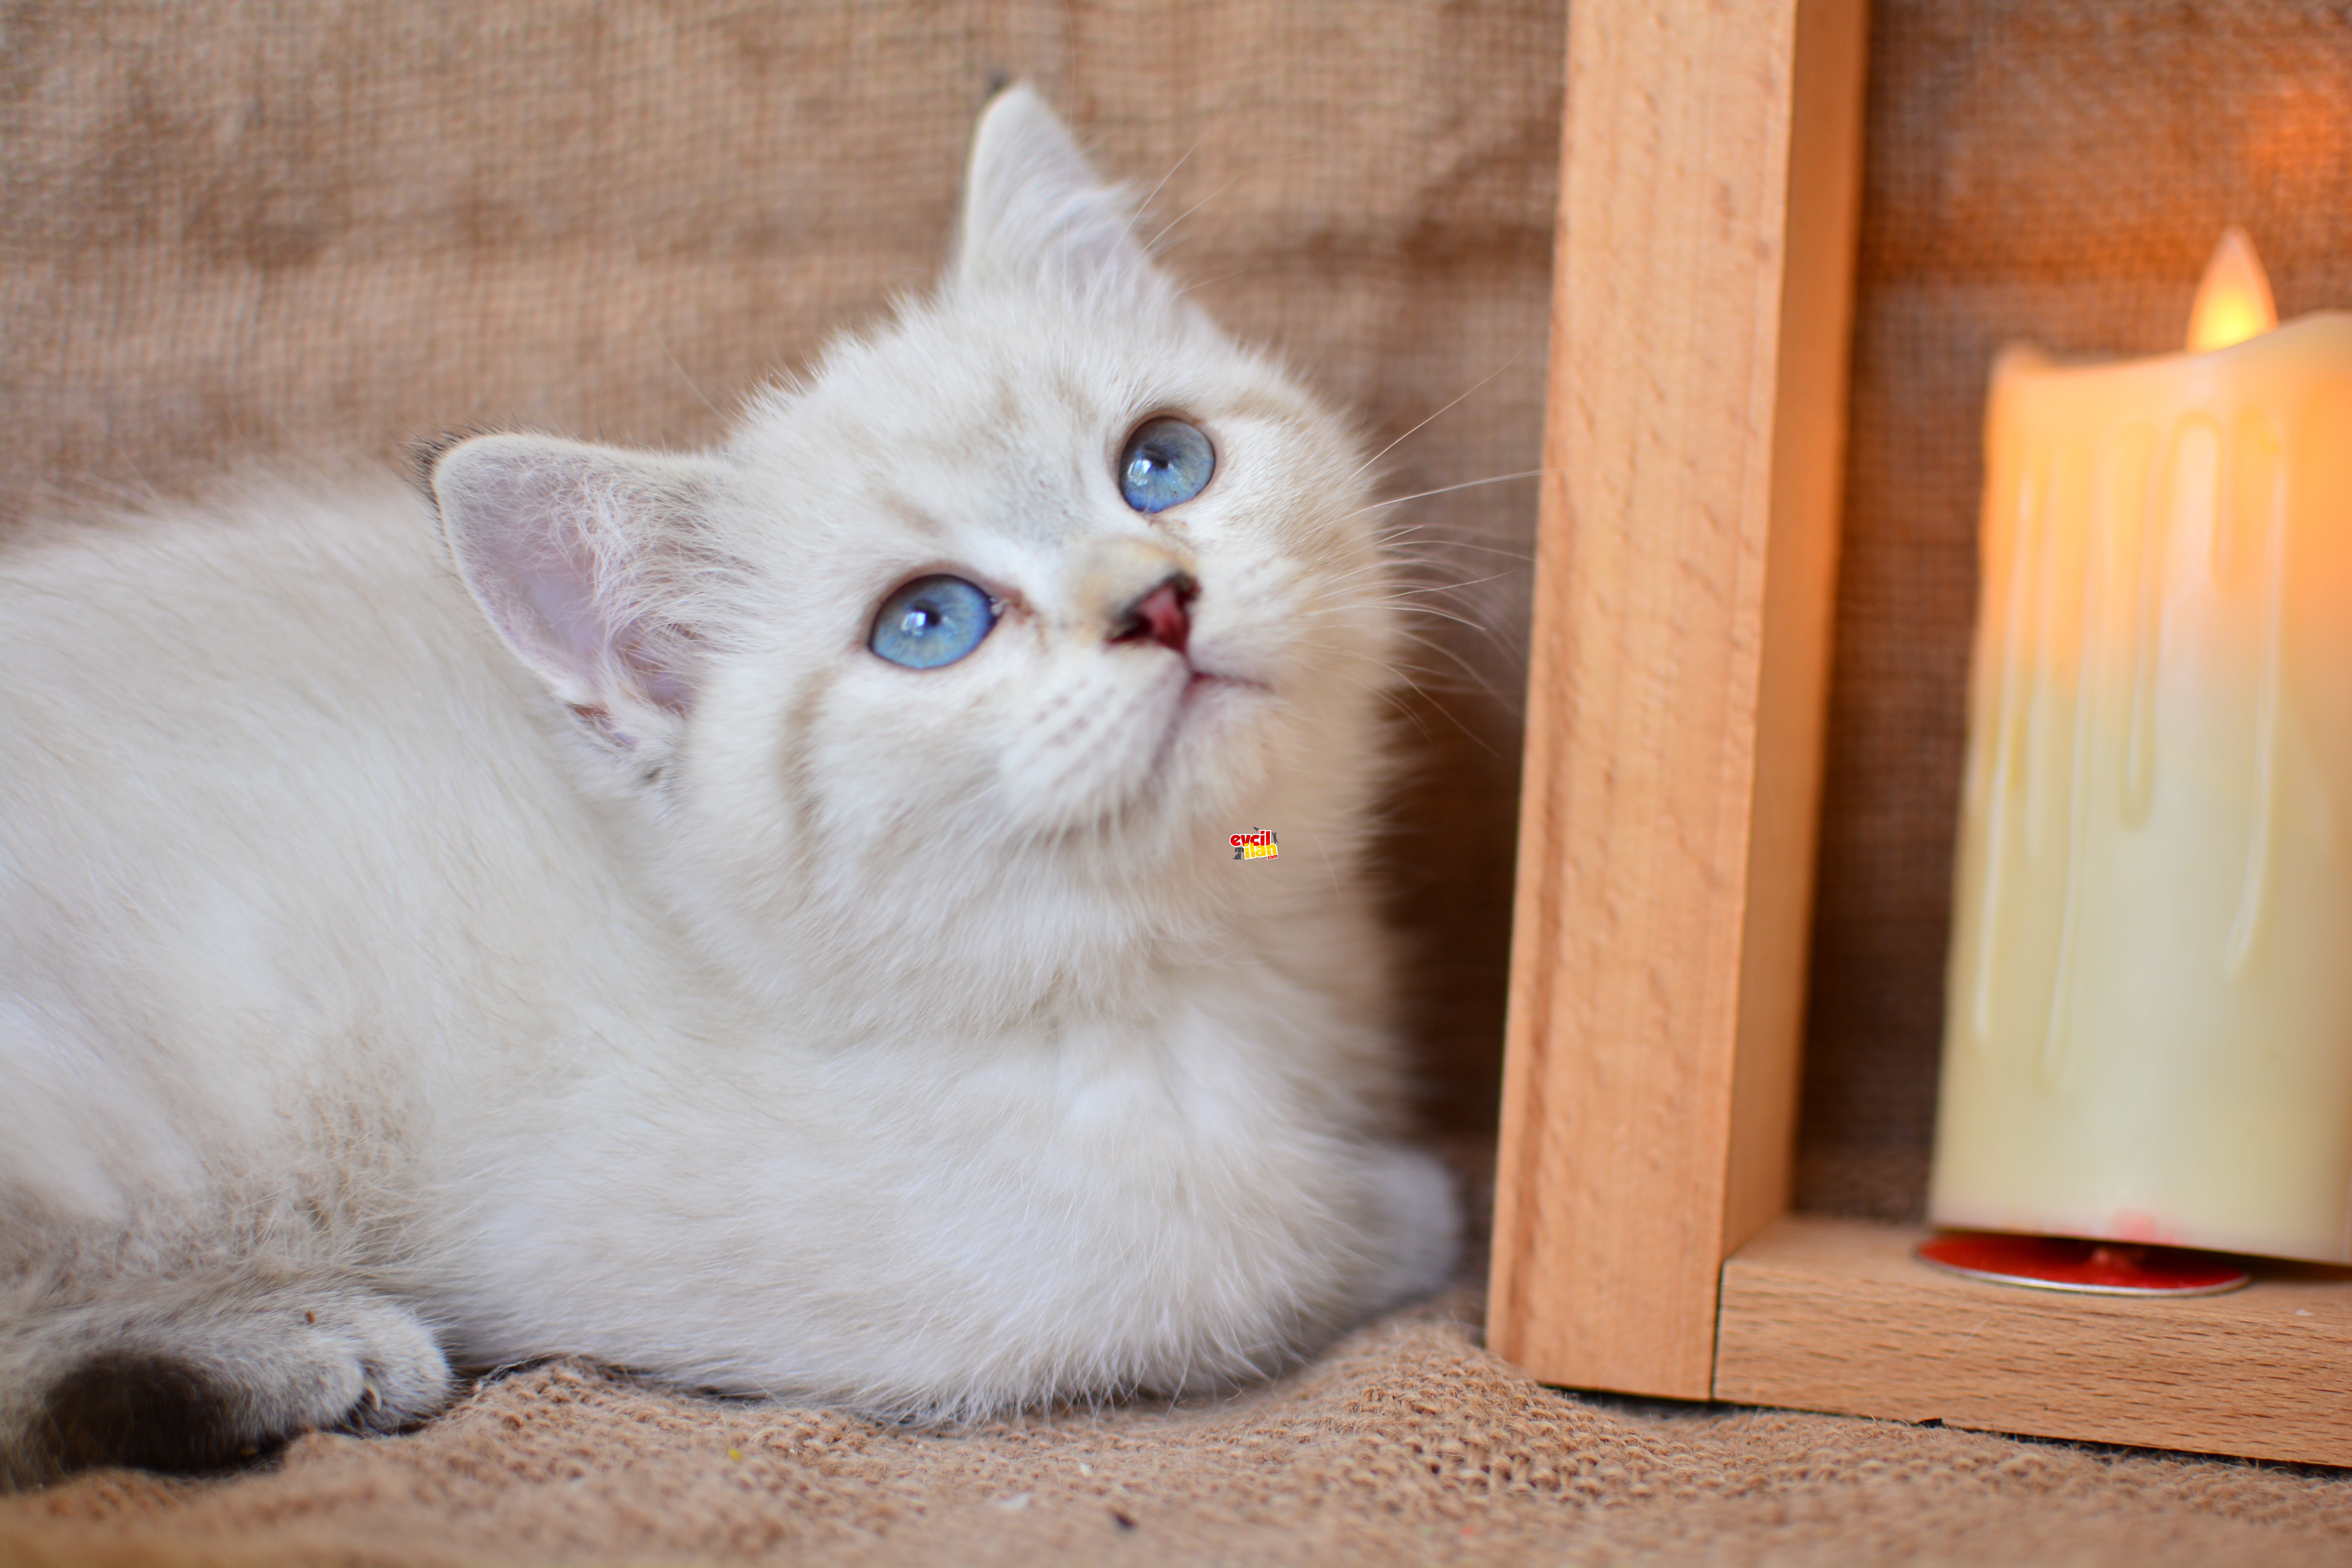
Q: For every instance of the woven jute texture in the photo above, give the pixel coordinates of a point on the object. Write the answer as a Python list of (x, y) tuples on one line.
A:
[(1407, 1444), (235, 231)]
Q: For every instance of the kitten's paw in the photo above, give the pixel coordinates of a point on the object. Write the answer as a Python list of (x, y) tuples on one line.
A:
[(190, 1380)]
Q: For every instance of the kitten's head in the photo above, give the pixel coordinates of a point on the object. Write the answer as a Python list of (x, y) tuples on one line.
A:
[(976, 649)]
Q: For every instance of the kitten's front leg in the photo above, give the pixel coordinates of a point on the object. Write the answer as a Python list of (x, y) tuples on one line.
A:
[(190, 1373)]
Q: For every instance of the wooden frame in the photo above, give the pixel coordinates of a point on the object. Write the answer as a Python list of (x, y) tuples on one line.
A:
[(1834, 1314), (1703, 291)]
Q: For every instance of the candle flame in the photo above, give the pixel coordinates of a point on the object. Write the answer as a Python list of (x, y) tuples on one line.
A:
[(2233, 303)]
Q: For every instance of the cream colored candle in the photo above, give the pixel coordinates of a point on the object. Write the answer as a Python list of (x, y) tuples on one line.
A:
[(2148, 1026)]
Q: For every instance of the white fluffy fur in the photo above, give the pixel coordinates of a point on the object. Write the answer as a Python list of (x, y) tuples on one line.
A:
[(619, 959)]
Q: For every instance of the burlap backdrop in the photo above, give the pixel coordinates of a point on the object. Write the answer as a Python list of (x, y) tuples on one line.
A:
[(237, 230)]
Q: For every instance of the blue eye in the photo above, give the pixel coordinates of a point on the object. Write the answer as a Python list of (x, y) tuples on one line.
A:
[(932, 621), (1166, 461)]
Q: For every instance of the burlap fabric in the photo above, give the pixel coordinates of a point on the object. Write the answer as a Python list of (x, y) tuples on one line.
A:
[(238, 231), (1407, 1444)]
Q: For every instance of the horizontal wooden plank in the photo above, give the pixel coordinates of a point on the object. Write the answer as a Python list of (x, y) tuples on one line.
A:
[(1834, 1314)]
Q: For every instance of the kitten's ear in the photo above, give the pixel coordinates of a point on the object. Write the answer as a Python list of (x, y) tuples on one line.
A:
[(594, 565), (1034, 213)]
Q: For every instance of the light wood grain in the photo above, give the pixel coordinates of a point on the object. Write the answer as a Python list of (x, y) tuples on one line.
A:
[(1686, 551), (1835, 1314)]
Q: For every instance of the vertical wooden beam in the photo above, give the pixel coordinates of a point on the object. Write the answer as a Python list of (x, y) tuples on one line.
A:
[(1703, 297)]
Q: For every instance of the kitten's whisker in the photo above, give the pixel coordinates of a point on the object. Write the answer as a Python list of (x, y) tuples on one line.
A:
[(662, 338), (1437, 600), (1449, 649), (1465, 391), (1210, 282), (1447, 490), (137, 472), (1471, 672), (1404, 550), (1455, 657), (1445, 562), (1393, 693), (1178, 242), (1430, 700), (1407, 589), (1453, 654), (1398, 543), (1150, 246), (1462, 669), (1439, 526), (1408, 582), (1215, 120), (1411, 606)]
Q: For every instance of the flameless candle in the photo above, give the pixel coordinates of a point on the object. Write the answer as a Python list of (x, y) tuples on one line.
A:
[(2149, 1019)]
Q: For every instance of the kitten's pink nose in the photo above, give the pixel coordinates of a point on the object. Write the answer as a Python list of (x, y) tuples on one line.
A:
[(1159, 616)]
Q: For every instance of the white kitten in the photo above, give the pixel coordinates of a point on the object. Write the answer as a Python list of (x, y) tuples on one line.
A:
[(668, 938)]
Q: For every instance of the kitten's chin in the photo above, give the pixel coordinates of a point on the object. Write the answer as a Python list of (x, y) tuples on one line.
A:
[(1213, 754), (1211, 712), (1206, 688)]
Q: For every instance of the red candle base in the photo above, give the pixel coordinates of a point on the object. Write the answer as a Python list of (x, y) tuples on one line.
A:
[(2066, 1263)]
